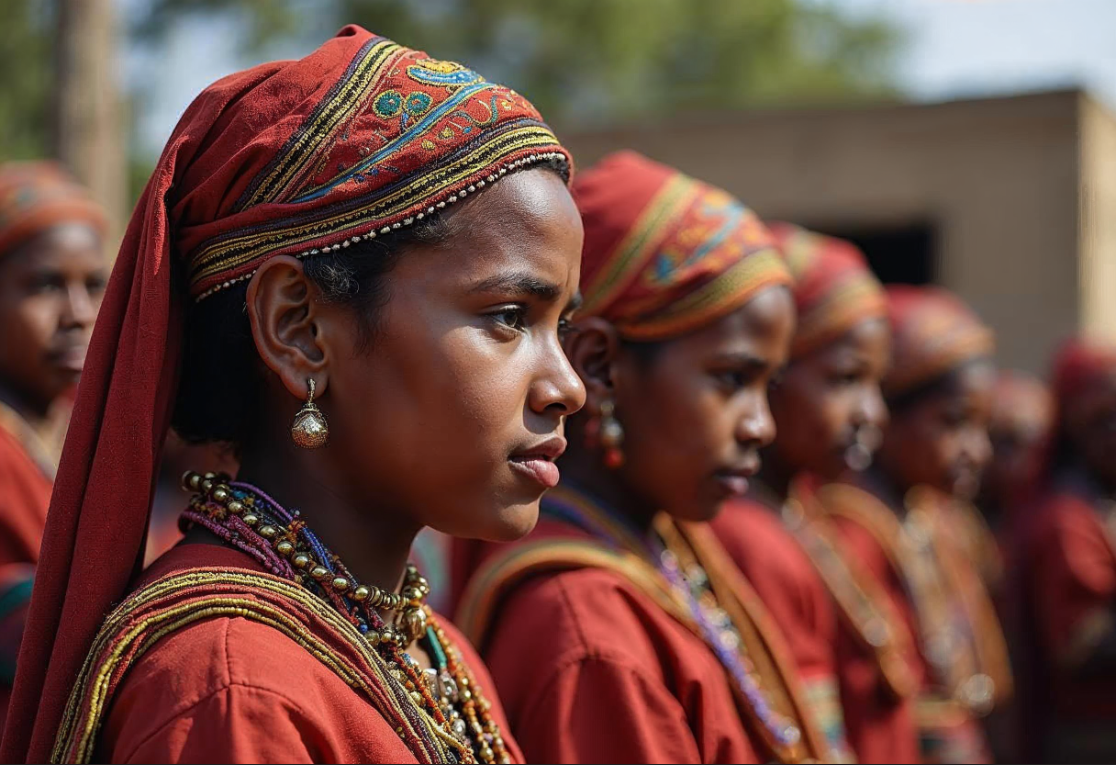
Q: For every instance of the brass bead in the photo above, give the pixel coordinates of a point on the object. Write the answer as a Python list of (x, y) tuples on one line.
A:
[(413, 622), (302, 560), (221, 493), (207, 484), (284, 548), (417, 697), (268, 532), (251, 519), (319, 572), (487, 754), (361, 593), (191, 480), (211, 476), (340, 583), (373, 638), (412, 593), (236, 507)]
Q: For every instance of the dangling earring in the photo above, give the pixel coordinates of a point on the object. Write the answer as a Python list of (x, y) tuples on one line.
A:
[(310, 429), (612, 436)]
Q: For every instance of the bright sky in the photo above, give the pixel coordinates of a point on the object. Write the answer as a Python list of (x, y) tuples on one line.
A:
[(953, 48)]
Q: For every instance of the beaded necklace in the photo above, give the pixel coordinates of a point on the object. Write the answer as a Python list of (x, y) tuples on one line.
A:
[(246, 518), (690, 584)]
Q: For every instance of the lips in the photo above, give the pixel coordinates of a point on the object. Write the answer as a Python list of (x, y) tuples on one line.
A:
[(71, 357), (734, 480), (536, 462)]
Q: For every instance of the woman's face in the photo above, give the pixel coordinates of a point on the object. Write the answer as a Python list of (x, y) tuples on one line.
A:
[(454, 416), (50, 292), (941, 439), (694, 410), (829, 400)]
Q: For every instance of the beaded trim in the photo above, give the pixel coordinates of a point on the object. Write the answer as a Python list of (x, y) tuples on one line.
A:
[(382, 228)]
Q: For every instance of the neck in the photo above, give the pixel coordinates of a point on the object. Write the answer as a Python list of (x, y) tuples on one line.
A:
[(772, 484), (585, 471), (34, 412), (879, 483), (373, 541)]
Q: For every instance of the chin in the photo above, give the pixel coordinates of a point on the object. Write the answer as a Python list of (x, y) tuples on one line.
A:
[(512, 522), (698, 512)]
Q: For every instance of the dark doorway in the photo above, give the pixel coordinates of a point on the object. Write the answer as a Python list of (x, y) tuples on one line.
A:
[(898, 255)]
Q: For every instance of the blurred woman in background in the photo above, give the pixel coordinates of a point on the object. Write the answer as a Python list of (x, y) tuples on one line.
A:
[(846, 639), (901, 523), (616, 632), (354, 268), (1066, 568), (53, 271)]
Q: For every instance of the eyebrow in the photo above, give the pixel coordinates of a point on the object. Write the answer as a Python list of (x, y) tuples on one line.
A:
[(520, 284), (741, 358)]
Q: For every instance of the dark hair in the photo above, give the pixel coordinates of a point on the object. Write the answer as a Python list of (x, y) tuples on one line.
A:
[(218, 397)]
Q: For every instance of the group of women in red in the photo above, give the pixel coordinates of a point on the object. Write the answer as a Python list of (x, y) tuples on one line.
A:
[(710, 488)]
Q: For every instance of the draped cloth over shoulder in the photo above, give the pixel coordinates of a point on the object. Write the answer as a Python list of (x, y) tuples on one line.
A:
[(361, 137)]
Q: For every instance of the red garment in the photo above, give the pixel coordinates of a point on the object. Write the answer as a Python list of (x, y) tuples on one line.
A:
[(1069, 602), (878, 724), (202, 694), (614, 677), (954, 736), (24, 499), (360, 137)]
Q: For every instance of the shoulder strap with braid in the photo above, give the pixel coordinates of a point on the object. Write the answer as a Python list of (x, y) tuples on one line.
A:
[(177, 601)]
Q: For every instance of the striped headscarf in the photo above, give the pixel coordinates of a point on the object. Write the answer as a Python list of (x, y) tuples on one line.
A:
[(37, 195), (666, 254), (834, 290)]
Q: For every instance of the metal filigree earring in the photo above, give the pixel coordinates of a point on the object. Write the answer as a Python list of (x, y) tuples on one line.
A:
[(310, 429)]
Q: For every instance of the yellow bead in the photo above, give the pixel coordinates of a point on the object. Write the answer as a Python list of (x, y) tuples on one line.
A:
[(236, 507), (221, 493), (284, 548), (251, 519), (340, 583), (211, 476), (361, 593), (268, 532), (191, 480), (319, 572), (207, 484), (302, 560)]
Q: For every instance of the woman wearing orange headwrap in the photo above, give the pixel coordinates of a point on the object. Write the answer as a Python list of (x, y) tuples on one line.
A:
[(901, 521), (52, 275), (645, 642), (1066, 567), (848, 644), (337, 261)]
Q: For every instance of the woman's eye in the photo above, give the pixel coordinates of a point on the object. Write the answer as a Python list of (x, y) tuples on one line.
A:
[(513, 317), (564, 327)]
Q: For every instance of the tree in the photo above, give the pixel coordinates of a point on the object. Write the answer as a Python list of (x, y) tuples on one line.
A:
[(596, 61)]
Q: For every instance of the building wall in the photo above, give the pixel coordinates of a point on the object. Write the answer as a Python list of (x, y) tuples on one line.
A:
[(1098, 220), (998, 179)]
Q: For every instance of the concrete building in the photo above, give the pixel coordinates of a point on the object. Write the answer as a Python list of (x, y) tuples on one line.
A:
[(1010, 202)]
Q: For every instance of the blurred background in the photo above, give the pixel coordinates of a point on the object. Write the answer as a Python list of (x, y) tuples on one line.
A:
[(970, 143)]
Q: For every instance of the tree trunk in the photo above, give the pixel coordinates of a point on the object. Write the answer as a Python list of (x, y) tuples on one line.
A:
[(87, 132)]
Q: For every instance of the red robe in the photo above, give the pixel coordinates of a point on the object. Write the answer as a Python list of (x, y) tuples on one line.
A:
[(950, 733), (234, 690), (591, 668), (1069, 601), (878, 723), (25, 486)]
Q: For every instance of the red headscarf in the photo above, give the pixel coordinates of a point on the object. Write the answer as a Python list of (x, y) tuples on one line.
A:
[(665, 254), (1078, 365), (932, 333), (834, 290), (37, 195), (360, 137)]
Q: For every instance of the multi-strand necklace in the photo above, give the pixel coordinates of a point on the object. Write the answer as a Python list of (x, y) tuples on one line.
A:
[(247, 519)]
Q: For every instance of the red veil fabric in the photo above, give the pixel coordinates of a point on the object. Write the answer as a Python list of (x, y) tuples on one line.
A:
[(360, 137)]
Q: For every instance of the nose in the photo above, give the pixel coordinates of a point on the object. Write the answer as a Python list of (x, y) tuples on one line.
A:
[(870, 409), (754, 424), (79, 310), (978, 447), (556, 389)]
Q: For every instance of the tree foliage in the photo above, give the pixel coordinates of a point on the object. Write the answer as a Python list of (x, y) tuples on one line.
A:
[(596, 61)]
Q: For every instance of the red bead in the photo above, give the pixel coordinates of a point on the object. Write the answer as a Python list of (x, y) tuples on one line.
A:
[(614, 458)]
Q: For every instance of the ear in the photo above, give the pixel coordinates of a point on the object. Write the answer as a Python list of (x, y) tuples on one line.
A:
[(281, 309), (593, 348)]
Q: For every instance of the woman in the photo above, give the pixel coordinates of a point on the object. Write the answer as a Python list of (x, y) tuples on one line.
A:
[(646, 644), (849, 646), (1067, 568), (901, 522), (304, 251), (52, 276)]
